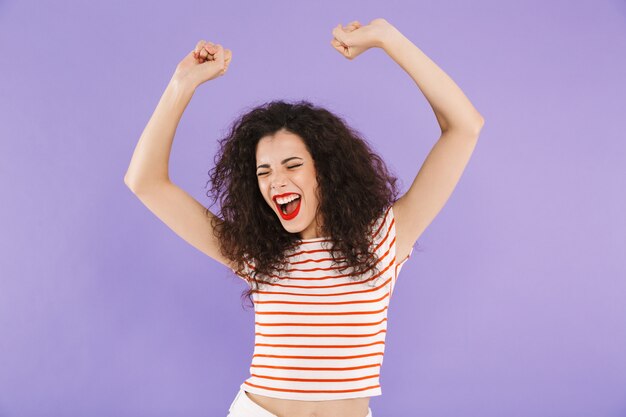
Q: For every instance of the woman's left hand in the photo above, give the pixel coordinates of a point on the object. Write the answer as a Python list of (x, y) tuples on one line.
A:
[(354, 39)]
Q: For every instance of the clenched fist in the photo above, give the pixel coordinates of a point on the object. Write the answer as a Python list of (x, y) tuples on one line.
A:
[(355, 38), (206, 62)]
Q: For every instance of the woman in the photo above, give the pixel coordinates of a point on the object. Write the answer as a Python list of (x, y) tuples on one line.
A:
[(320, 236)]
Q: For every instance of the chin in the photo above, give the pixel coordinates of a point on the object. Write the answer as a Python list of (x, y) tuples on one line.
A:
[(294, 227)]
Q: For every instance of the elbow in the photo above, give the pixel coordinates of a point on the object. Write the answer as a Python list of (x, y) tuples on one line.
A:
[(469, 128), (130, 183), (140, 186), (477, 125), (481, 123), (470, 125)]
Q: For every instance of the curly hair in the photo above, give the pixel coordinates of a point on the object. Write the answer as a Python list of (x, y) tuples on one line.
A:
[(353, 191)]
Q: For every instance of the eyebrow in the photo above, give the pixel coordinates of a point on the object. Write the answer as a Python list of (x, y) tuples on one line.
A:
[(284, 161)]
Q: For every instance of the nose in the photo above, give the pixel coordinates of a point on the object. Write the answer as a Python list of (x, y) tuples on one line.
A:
[(278, 182), (278, 185)]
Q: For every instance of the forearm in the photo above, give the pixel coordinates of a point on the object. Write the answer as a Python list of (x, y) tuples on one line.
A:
[(452, 108), (150, 159)]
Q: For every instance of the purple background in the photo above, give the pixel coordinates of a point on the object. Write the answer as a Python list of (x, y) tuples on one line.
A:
[(514, 304)]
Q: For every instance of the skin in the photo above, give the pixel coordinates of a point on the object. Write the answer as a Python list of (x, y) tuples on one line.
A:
[(299, 176), (281, 178), (460, 124), (352, 407), (296, 175)]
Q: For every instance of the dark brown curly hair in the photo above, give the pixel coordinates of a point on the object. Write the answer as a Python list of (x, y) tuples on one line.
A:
[(353, 191)]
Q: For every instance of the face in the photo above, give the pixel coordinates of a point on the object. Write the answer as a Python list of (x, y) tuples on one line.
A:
[(285, 166)]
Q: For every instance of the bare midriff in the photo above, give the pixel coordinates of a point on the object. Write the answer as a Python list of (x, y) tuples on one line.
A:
[(351, 407)]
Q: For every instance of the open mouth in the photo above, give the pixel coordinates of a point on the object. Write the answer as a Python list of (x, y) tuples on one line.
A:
[(290, 209)]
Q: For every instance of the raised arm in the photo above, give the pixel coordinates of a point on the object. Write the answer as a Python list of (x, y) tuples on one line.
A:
[(148, 173), (459, 121)]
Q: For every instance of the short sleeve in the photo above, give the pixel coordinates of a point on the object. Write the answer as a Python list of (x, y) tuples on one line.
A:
[(399, 262), (385, 241), (245, 274)]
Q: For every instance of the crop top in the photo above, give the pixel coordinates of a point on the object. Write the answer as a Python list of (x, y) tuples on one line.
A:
[(318, 334)]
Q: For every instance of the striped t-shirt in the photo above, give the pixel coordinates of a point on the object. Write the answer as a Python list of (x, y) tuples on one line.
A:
[(318, 334)]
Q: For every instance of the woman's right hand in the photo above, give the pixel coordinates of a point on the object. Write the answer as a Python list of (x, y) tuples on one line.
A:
[(206, 62)]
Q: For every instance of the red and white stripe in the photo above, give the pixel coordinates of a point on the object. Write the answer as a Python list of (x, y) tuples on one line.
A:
[(318, 334)]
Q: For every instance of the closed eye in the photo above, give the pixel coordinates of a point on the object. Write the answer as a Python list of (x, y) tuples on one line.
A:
[(293, 166)]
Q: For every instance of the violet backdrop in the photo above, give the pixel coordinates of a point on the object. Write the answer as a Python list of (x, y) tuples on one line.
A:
[(514, 303)]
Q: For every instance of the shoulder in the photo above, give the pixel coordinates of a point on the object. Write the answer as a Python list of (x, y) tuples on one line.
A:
[(247, 271), (383, 230), (386, 238)]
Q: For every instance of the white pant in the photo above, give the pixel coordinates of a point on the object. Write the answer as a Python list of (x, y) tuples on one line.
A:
[(243, 406)]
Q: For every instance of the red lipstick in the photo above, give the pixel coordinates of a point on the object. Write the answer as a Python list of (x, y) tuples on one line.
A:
[(294, 213)]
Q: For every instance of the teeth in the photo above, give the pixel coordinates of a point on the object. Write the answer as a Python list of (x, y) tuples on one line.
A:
[(285, 200)]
